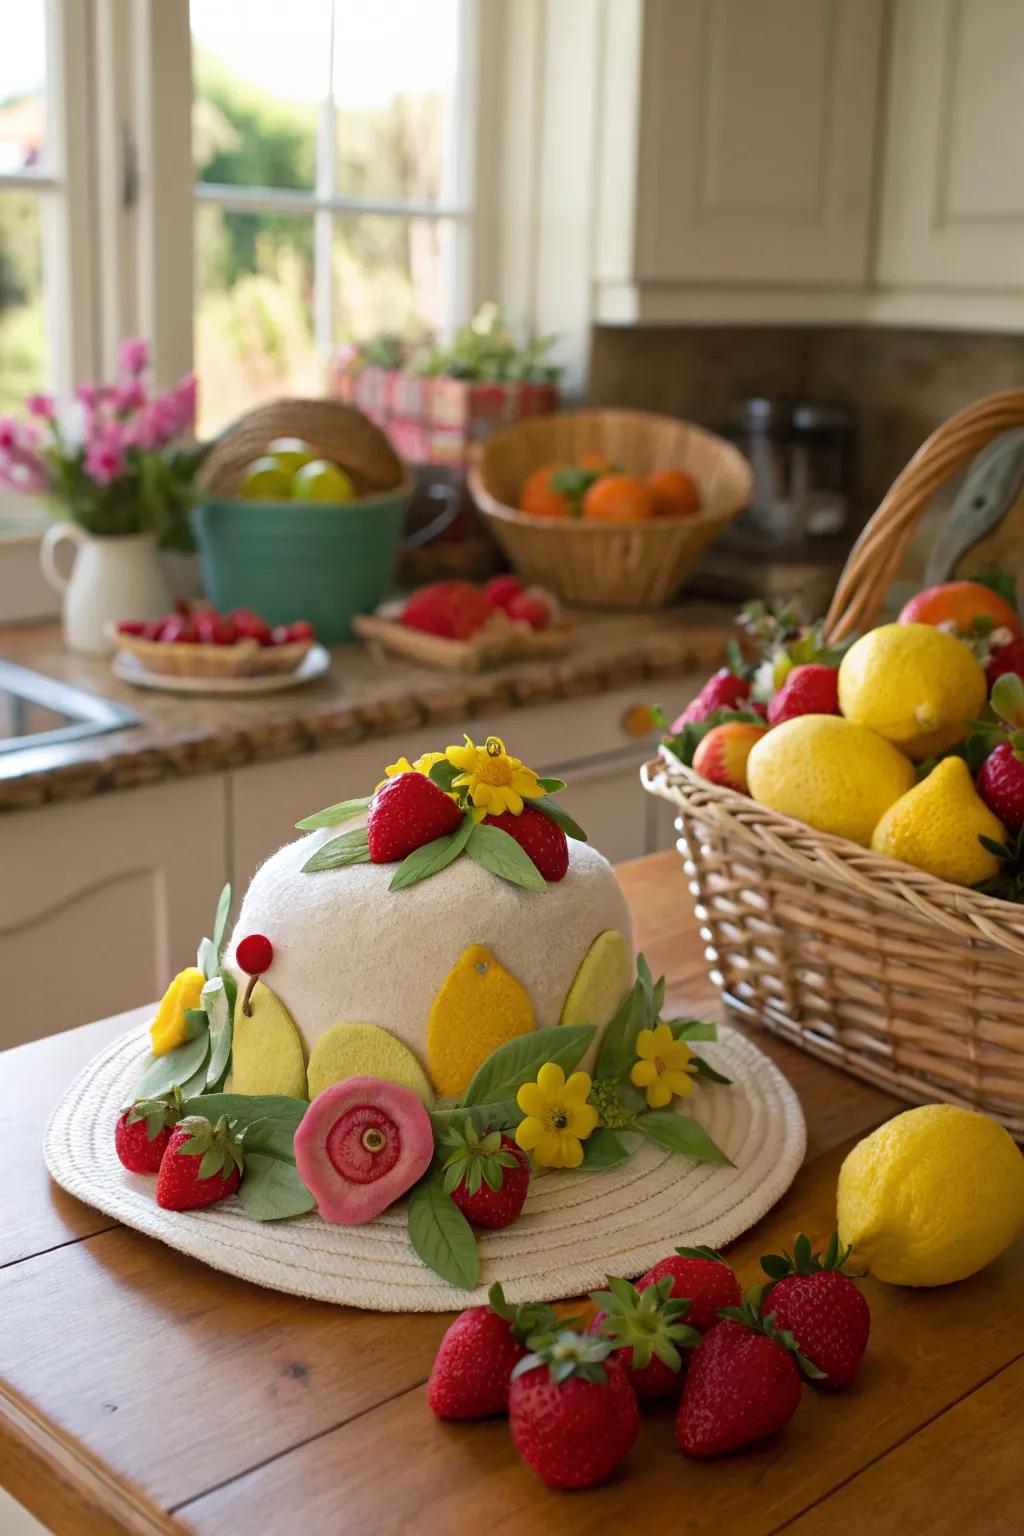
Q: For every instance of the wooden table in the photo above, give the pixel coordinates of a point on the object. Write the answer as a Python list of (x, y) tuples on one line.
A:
[(142, 1392)]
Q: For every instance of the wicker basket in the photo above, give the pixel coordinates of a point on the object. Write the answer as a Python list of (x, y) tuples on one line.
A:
[(608, 565), (334, 431), (905, 981)]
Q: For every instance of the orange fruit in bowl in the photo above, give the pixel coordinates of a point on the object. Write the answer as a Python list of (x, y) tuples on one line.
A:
[(674, 493), (539, 497), (618, 499), (961, 603), (594, 459)]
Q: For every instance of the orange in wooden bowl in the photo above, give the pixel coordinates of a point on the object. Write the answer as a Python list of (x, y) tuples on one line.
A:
[(674, 493), (618, 499), (539, 497)]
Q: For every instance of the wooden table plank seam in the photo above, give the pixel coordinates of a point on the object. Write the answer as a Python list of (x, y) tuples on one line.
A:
[(69, 1242)]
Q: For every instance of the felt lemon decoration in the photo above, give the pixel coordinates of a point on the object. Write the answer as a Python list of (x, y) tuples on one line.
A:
[(479, 1007), (266, 1051), (169, 1029), (601, 982), (932, 1196), (365, 1050)]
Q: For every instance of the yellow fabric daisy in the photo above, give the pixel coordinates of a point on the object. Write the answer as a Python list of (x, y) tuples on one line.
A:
[(423, 764), (665, 1067), (558, 1117), (496, 781)]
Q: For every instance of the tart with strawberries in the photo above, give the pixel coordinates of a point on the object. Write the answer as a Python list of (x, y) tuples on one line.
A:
[(200, 642)]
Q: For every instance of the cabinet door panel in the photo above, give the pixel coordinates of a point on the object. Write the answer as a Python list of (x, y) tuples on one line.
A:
[(953, 200)]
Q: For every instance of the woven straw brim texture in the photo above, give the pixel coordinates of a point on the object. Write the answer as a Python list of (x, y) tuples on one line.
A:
[(576, 1228), (904, 980)]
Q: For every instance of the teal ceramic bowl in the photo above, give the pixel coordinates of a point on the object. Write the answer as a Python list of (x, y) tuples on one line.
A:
[(293, 560)]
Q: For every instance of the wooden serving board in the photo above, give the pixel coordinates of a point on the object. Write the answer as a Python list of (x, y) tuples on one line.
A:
[(500, 640)]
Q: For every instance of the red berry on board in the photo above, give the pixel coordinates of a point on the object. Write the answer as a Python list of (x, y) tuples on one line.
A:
[(452, 609), (808, 690), (302, 629), (132, 627), (1000, 783), (723, 691), (707, 1280), (503, 589), (474, 1364), (406, 812), (527, 609), (179, 629), (214, 628), (539, 836), (249, 626), (279, 635)]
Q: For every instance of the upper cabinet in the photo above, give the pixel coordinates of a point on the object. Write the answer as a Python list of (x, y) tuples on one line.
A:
[(953, 201)]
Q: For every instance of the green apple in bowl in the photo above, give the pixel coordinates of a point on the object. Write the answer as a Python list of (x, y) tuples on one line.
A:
[(321, 481), (291, 453), (265, 480)]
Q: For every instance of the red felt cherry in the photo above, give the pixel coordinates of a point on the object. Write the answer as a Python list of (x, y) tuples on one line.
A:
[(255, 954)]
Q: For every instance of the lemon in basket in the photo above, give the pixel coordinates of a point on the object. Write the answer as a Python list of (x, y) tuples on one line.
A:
[(916, 685), (932, 1196), (937, 826), (835, 776)]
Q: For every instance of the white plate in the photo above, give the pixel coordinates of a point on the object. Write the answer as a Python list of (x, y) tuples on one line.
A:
[(131, 670)]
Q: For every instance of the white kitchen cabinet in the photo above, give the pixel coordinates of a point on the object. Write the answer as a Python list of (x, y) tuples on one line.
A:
[(103, 900), (953, 197)]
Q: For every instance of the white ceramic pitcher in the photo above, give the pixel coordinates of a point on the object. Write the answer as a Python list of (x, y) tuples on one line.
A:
[(111, 579)]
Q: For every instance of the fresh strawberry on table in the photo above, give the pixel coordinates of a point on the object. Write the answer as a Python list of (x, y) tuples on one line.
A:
[(702, 1276), (743, 1383), (821, 1307), (452, 609), (486, 1176), (143, 1131), (406, 812), (202, 1164), (473, 1367), (539, 836), (725, 690), (648, 1328), (572, 1410), (528, 608), (808, 690), (503, 590)]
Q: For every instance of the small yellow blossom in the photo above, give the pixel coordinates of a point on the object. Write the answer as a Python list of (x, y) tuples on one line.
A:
[(558, 1117), (169, 1029), (665, 1067), (423, 764), (496, 781)]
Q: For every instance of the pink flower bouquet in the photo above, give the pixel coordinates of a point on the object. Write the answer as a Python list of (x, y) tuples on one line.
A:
[(125, 465)]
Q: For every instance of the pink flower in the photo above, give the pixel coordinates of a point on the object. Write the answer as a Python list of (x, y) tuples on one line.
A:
[(8, 434), (90, 395), (184, 396), (134, 356), (128, 398), (104, 458), (41, 405)]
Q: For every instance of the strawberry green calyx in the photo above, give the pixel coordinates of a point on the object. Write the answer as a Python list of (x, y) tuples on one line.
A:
[(700, 1251), (158, 1114), (532, 1322), (751, 1314), (568, 1354), (475, 1159), (217, 1145), (804, 1261), (649, 1322)]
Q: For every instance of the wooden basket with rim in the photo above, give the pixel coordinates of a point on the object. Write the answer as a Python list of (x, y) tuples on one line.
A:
[(905, 981), (608, 565)]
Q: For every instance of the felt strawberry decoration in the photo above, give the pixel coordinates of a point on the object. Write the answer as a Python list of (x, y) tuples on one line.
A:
[(406, 812), (808, 690), (572, 1410), (722, 691), (743, 1383), (539, 836), (821, 1307), (486, 1176), (704, 1277), (473, 1367), (202, 1164), (648, 1328), (143, 1131)]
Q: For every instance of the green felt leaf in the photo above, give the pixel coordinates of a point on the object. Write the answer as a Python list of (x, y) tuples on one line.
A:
[(334, 815), (496, 851), (220, 921), (680, 1134), (196, 1023), (197, 1082), (706, 1070), (349, 848), (518, 1061), (271, 1189), (551, 786), (432, 857), (208, 960), (617, 1051), (441, 1235), (273, 1135), (444, 774), (230, 991), (561, 818), (244, 1108), (504, 1116), (162, 1073), (215, 1001), (693, 1029), (603, 1149)]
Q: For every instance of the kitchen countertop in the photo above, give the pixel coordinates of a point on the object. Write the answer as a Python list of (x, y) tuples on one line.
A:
[(364, 695), (183, 1400)]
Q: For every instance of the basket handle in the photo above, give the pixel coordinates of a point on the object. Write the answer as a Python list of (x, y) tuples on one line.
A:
[(874, 559)]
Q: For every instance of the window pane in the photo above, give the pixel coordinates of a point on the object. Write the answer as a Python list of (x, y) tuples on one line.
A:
[(390, 275), (395, 67), (22, 85), (258, 82), (23, 350), (254, 323)]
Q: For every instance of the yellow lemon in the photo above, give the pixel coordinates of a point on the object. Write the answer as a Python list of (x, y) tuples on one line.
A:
[(914, 684), (169, 1030), (932, 1196), (936, 826), (823, 770)]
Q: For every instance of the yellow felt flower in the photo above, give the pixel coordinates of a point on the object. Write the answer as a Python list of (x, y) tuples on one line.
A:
[(496, 781), (665, 1067), (558, 1117), (423, 764), (168, 1030)]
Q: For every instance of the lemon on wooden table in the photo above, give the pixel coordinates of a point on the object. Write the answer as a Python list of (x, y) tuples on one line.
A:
[(937, 826), (916, 685), (835, 776), (932, 1196)]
